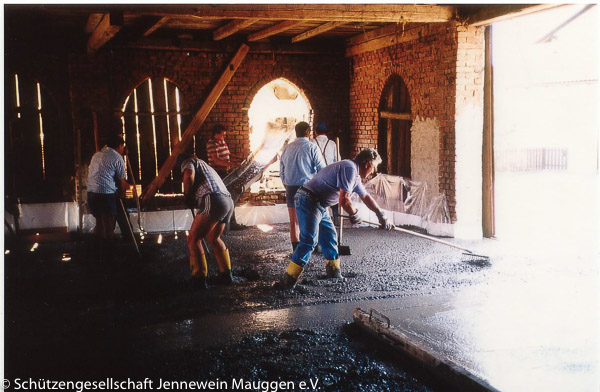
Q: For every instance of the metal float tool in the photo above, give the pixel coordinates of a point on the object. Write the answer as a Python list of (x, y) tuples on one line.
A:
[(468, 255)]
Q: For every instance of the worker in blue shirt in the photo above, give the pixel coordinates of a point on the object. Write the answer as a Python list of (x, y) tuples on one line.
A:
[(299, 162), (335, 183)]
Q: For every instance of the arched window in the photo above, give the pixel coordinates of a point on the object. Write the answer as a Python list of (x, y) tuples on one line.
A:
[(37, 157), (153, 122), (394, 128)]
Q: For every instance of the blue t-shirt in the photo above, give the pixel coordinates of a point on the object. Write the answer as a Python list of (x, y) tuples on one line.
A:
[(327, 183), (300, 161)]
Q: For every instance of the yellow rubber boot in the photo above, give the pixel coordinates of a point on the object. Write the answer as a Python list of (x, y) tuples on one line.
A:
[(290, 277), (199, 269), (224, 262), (332, 268)]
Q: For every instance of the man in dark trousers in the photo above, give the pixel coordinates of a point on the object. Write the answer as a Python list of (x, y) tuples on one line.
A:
[(299, 162), (105, 184), (335, 183)]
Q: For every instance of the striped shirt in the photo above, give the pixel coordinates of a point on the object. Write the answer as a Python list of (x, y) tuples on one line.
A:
[(220, 149), (106, 168), (206, 179)]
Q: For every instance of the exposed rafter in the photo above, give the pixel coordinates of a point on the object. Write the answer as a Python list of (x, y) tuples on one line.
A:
[(316, 31), (104, 31), (488, 15), (159, 23), (384, 41), (232, 28), (275, 29), (92, 22), (385, 13)]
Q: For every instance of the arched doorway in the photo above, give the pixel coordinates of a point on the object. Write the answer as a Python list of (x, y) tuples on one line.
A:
[(277, 102), (394, 128)]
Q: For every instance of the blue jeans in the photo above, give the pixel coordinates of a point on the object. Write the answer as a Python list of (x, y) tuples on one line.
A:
[(314, 221)]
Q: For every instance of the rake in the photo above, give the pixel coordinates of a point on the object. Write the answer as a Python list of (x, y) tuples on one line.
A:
[(468, 255)]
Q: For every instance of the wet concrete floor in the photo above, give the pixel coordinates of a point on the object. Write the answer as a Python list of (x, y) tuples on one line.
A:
[(130, 318)]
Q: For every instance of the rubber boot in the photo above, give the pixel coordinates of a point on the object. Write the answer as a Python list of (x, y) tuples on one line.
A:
[(199, 270), (290, 277), (332, 268), (224, 262)]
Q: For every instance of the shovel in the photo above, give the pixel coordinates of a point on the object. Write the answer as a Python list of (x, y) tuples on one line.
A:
[(343, 250)]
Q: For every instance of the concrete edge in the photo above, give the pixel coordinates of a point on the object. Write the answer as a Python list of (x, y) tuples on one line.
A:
[(378, 325)]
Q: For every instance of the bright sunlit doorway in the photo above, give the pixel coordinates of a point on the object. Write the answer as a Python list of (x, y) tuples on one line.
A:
[(546, 128), (282, 102)]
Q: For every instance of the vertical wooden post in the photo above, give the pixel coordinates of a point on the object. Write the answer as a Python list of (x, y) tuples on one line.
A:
[(197, 121), (95, 125), (488, 228)]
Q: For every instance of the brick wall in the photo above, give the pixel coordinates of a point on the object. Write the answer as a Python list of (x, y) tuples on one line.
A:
[(428, 67), (102, 82), (468, 129)]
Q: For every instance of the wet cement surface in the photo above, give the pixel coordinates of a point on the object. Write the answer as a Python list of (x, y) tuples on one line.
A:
[(87, 318)]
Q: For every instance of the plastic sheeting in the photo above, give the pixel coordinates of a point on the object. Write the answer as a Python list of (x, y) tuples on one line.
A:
[(408, 203)]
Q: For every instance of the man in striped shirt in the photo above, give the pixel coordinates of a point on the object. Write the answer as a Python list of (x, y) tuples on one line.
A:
[(219, 156)]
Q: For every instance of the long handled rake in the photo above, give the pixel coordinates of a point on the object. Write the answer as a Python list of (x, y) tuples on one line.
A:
[(468, 255)]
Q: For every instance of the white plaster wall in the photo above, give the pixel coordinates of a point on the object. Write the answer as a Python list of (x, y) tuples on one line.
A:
[(425, 153), (469, 139)]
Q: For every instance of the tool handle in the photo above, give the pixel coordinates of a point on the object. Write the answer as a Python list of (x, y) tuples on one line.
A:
[(414, 233)]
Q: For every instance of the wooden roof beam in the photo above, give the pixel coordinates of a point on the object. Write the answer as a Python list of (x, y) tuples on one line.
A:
[(316, 31), (92, 22), (374, 13), (275, 29), (232, 28), (488, 14), (157, 25), (399, 36), (104, 32)]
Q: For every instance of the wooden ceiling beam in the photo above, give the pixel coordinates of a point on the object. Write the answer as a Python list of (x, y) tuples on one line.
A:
[(232, 28), (488, 15), (316, 31), (376, 33), (275, 29), (157, 25), (104, 32), (382, 13), (388, 40), (92, 22)]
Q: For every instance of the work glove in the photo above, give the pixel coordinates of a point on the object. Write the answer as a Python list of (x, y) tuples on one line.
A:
[(354, 218), (384, 222)]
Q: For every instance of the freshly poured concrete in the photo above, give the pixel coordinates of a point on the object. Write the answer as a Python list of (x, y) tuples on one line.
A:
[(527, 320), (533, 325)]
